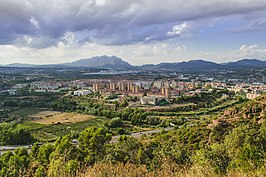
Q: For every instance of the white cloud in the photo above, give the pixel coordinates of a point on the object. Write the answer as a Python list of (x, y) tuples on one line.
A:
[(245, 51), (135, 54), (34, 22), (250, 51), (156, 49), (178, 30), (28, 39), (68, 39), (100, 2)]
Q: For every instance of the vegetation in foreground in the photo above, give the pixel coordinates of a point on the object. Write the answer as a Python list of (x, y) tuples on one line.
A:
[(234, 145)]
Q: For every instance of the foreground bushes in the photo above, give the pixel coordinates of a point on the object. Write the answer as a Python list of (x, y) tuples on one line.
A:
[(168, 169), (242, 152), (13, 134)]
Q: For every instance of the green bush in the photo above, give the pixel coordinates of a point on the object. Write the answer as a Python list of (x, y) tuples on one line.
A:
[(116, 122)]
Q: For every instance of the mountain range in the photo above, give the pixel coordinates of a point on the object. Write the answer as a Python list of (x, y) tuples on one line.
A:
[(113, 62), (194, 65)]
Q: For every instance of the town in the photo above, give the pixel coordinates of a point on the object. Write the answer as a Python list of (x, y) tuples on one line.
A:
[(135, 88), (148, 91)]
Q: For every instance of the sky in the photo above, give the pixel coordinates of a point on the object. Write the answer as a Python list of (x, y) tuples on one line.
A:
[(139, 31)]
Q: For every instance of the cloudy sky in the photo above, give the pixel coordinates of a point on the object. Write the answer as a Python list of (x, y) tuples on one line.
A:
[(139, 31)]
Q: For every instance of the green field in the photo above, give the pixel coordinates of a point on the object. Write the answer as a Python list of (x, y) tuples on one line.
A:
[(52, 132), (27, 111), (201, 111)]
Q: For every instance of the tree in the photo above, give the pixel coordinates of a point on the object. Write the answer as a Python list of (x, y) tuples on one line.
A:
[(92, 144), (128, 149), (44, 153), (215, 158), (13, 134), (40, 172), (72, 167), (116, 122)]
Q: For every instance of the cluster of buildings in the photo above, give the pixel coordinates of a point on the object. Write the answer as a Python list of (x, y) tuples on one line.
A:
[(122, 87), (51, 86), (152, 90), (252, 91), (147, 90), (159, 89)]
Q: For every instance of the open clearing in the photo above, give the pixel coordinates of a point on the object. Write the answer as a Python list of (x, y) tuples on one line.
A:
[(55, 117)]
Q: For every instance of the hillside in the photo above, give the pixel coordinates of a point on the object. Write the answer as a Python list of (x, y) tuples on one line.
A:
[(246, 63), (233, 146), (252, 111), (192, 65), (101, 62), (113, 62), (20, 65), (203, 65)]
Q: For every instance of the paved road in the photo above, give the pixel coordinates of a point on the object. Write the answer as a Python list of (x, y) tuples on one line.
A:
[(4, 149), (139, 134), (114, 139)]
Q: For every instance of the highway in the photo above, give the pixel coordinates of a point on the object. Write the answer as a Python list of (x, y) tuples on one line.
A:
[(114, 139)]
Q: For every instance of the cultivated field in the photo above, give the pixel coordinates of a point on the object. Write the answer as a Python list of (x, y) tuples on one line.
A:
[(164, 108), (55, 117)]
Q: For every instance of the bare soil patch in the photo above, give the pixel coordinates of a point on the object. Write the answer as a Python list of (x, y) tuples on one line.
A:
[(55, 117)]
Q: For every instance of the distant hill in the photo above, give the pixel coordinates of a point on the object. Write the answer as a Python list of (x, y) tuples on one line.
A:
[(107, 62), (189, 65), (101, 62), (247, 63), (113, 62), (197, 65), (200, 65), (20, 65)]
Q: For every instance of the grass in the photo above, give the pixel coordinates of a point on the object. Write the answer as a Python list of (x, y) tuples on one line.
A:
[(44, 132), (27, 111), (196, 112), (167, 169), (51, 132), (53, 117)]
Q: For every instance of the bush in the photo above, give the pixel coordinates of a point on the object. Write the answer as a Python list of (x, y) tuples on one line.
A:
[(12, 134), (116, 122)]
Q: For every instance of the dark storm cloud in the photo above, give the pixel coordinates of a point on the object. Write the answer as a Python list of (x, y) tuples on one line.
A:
[(109, 22)]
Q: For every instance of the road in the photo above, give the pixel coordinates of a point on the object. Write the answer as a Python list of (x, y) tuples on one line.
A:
[(114, 139), (4, 149), (139, 134)]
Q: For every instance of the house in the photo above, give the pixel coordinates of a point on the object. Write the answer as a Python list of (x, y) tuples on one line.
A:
[(148, 100), (251, 96), (82, 92), (40, 91), (12, 92), (53, 91)]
